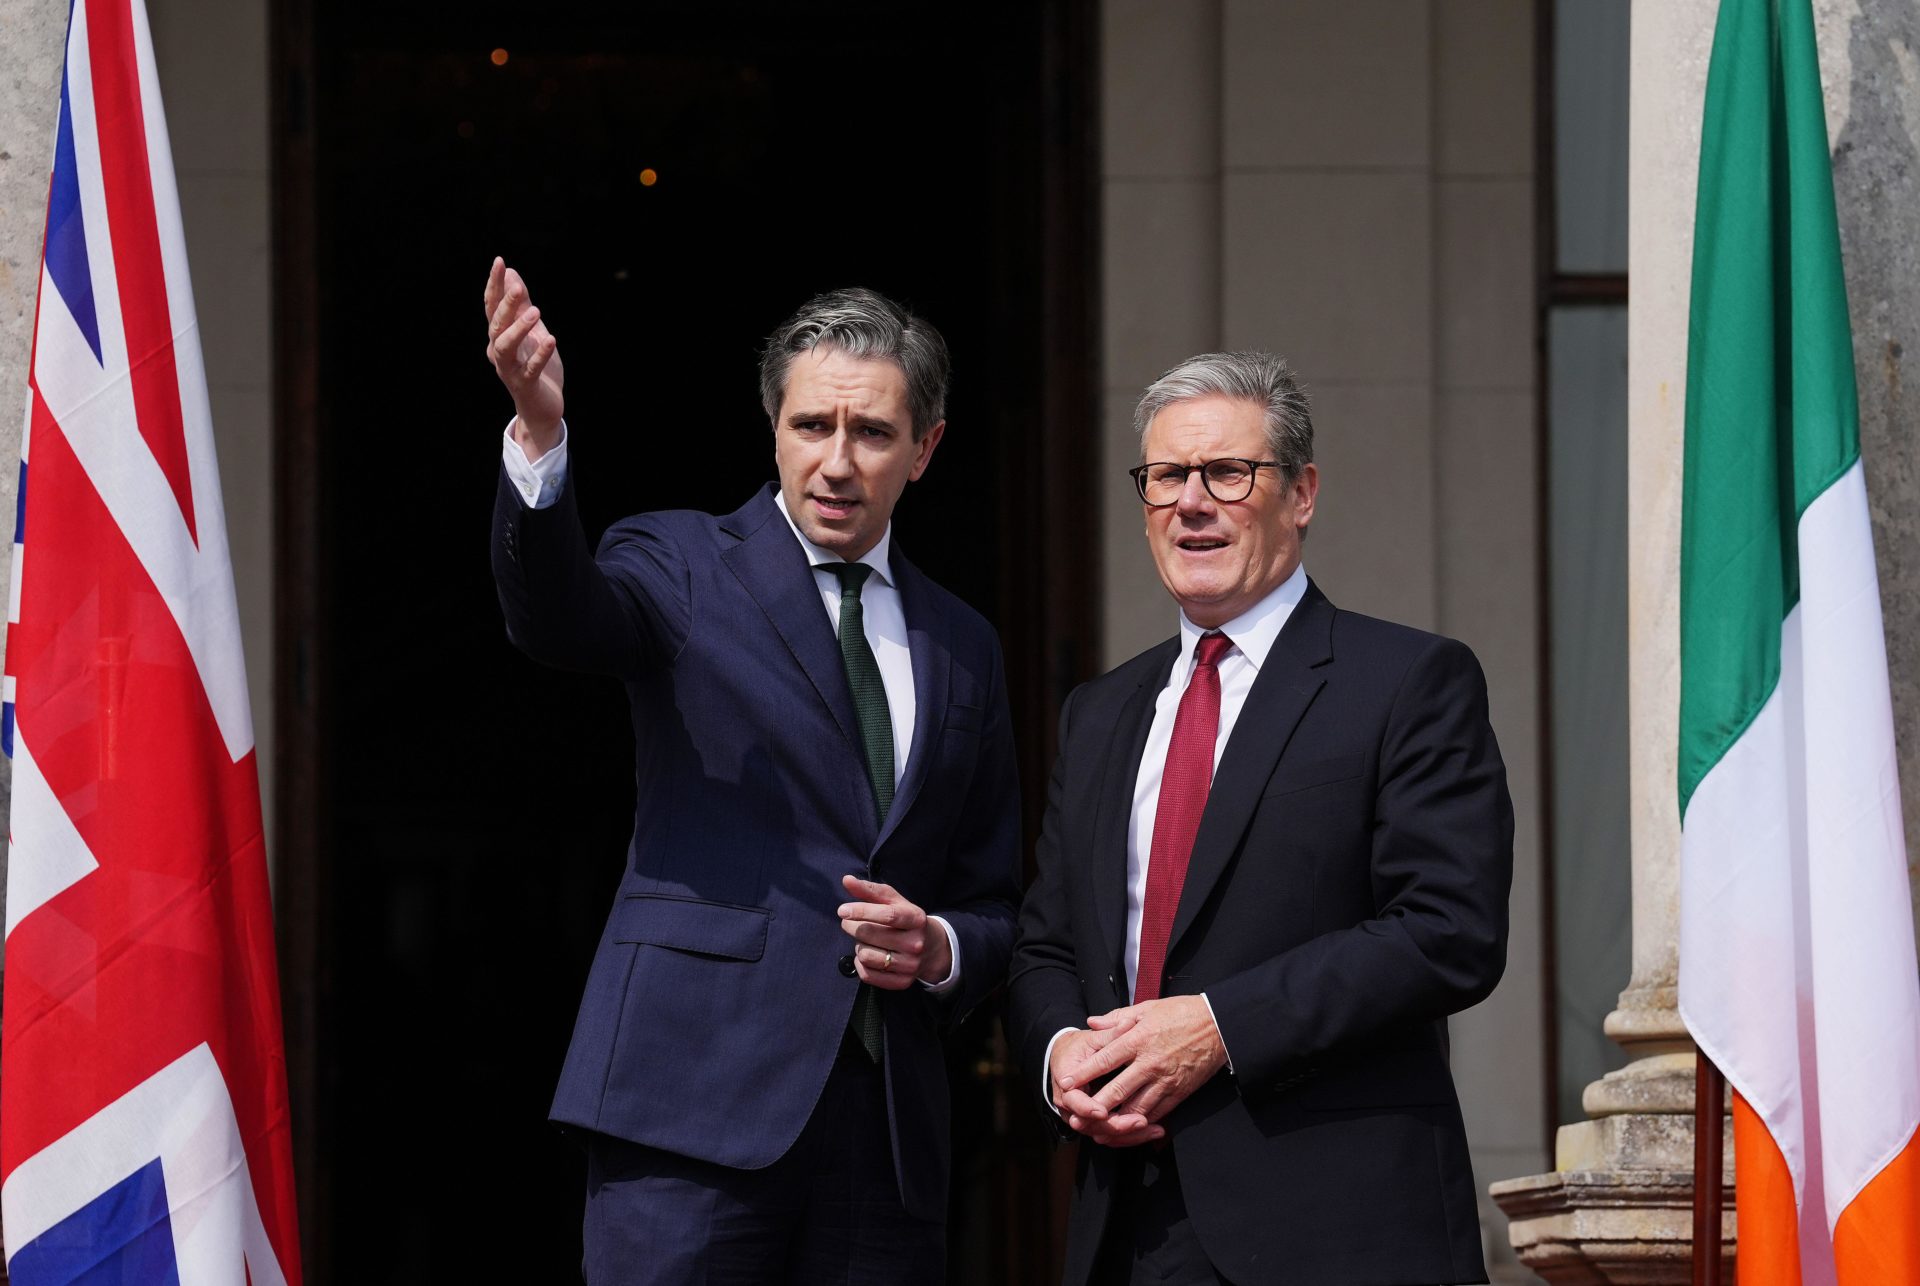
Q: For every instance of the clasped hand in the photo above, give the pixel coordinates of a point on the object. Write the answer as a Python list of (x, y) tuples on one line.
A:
[(1158, 1052)]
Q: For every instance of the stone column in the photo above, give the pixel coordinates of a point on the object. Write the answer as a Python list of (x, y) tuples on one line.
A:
[(1617, 1207), (1870, 68), (29, 108)]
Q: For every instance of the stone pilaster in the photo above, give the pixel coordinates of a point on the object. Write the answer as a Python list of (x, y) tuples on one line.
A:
[(1617, 1207), (29, 106)]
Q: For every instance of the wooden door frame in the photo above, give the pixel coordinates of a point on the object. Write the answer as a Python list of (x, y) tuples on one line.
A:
[(301, 735)]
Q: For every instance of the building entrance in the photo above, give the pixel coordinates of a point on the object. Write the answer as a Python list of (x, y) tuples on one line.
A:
[(672, 179)]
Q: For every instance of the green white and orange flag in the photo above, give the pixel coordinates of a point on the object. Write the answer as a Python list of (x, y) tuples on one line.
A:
[(1797, 970)]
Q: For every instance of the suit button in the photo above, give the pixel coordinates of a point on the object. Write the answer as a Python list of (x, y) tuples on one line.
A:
[(846, 966)]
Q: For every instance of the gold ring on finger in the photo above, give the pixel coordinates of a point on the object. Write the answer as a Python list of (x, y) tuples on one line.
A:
[(888, 966)]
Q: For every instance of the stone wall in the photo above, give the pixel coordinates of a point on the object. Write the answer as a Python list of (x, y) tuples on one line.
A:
[(1870, 68), (1350, 183)]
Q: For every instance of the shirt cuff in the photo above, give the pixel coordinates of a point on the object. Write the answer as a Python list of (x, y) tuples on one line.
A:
[(1046, 1074), (538, 481), (952, 979), (1216, 1031)]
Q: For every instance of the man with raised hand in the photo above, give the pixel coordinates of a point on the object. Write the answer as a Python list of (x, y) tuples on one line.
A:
[(825, 854)]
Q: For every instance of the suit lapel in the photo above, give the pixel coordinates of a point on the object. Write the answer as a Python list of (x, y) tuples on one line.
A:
[(1113, 818), (1281, 693), (930, 645), (771, 566)]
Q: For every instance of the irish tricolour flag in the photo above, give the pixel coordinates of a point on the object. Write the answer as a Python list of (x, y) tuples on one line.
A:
[(1797, 971)]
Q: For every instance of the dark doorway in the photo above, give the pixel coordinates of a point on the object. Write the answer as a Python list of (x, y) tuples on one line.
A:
[(672, 179)]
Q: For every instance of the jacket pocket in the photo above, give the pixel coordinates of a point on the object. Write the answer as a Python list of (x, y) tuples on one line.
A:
[(965, 718), (1288, 778), (686, 924)]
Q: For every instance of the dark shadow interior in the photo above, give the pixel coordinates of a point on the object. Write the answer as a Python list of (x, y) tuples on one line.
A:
[(476, 805)]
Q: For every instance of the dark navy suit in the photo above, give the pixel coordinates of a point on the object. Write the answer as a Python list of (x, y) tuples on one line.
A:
[(717, 1005), (1347, 891)]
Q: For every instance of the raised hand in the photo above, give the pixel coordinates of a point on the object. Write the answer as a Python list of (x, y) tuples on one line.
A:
[(526, 357), (899, 943)]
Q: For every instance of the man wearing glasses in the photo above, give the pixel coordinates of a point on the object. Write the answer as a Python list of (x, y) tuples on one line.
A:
[(1276, 857)]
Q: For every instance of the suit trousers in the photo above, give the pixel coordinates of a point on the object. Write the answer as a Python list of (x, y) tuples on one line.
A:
[(828, 1211), (1149, 1239)]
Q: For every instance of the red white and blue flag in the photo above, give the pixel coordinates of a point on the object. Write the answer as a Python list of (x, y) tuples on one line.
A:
[(143, 1102)]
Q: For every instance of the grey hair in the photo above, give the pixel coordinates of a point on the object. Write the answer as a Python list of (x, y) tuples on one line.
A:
[(861, 323), (1260, 378)]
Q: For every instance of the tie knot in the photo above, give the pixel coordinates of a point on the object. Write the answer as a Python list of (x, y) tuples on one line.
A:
[(1212, 648), (850, 575)]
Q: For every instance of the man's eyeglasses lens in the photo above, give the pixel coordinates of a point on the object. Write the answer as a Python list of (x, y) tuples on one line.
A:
[(1227, 480)]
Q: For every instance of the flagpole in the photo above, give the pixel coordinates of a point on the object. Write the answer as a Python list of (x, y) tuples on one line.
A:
[(1709, 1108)]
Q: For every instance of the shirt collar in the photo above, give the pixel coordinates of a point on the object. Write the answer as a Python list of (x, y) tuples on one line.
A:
[(877, 558), (1254, 630)]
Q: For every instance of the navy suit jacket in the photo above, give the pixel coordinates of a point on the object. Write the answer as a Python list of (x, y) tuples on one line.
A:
[(716, 1001), (1347, 891)]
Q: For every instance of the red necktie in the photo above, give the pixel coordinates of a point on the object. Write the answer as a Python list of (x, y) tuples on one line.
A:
[(1183, 797)]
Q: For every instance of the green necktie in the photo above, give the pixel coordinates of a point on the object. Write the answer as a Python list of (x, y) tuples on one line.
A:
[(876, 738)]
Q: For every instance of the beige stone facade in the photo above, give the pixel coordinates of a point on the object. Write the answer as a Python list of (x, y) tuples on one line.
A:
[(1351, 185)]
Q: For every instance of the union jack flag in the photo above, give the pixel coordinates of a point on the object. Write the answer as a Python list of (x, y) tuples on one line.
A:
[(143, 1102)]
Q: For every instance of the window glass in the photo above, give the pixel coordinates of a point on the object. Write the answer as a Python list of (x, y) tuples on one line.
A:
[(1590, 135), (1587, 560)]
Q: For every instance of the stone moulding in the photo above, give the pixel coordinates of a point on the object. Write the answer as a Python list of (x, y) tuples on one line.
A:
[(1620, 1227)]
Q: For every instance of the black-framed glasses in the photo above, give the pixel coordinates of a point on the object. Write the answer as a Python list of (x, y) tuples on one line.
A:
[(1227, 479)]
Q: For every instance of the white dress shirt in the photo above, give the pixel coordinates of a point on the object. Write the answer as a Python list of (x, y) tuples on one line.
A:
[(1252, 634), (883, 619)]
